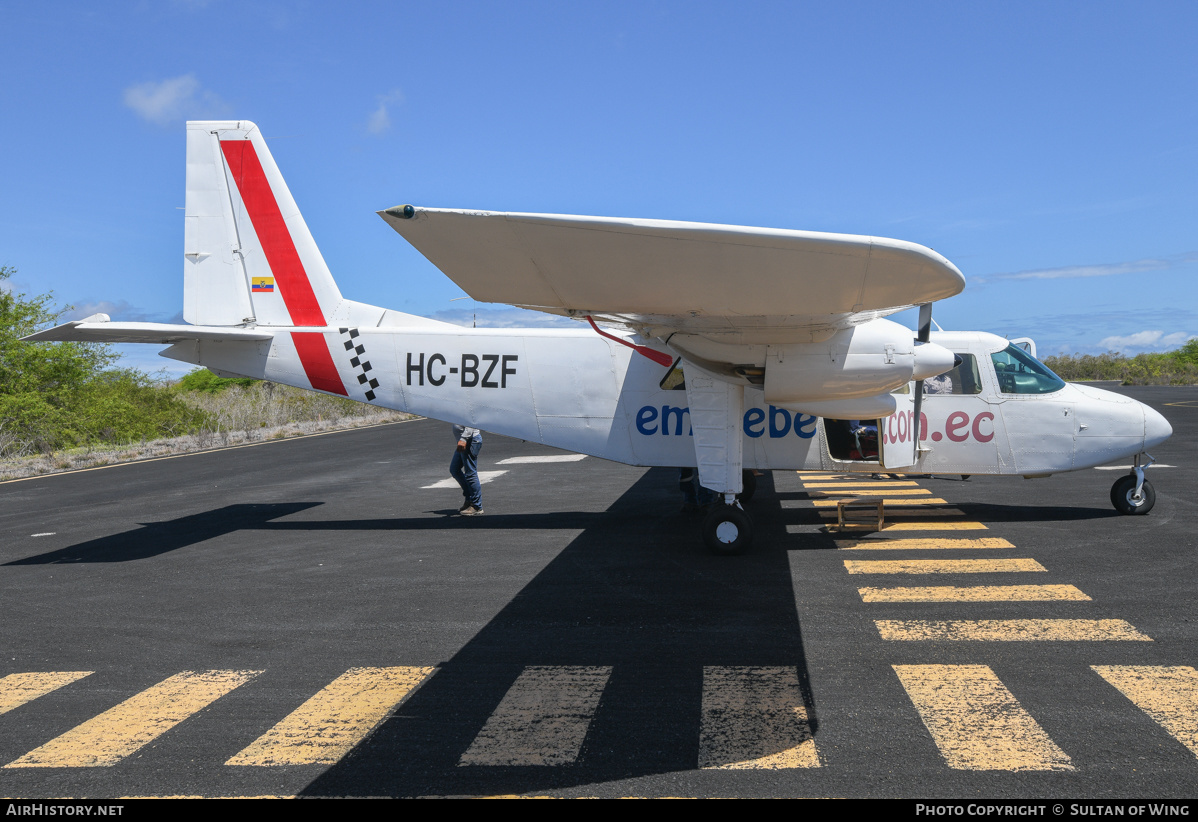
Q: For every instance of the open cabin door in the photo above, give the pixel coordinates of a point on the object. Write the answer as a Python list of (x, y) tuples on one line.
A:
[(896, 433)]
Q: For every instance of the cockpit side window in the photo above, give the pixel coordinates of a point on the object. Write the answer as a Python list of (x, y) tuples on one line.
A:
[(963, 379), (1019, 372)]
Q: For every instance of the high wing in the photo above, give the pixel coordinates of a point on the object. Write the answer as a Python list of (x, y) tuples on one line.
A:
[(733, 283)]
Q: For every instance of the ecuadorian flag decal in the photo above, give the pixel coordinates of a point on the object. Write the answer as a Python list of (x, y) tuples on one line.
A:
[(262, 285)]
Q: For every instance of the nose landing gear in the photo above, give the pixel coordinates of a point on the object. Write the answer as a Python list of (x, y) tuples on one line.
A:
[(1133, 494), (1127, 501)]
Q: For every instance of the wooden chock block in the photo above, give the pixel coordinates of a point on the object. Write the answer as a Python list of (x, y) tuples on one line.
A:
[(857, 512)]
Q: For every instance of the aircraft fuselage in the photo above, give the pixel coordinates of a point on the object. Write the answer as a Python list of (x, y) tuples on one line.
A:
[(575, 390)]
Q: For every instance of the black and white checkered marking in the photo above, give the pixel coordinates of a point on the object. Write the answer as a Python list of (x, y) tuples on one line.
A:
[(354, 346)]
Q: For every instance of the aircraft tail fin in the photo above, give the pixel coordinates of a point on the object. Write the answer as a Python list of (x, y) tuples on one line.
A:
[(249, 257)]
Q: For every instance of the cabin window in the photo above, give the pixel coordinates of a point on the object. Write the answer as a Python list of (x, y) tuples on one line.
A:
[(674, 380), (1020, 373), (963, 379)]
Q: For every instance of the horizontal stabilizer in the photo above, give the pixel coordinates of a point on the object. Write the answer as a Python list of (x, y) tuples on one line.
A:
[(95, 329)]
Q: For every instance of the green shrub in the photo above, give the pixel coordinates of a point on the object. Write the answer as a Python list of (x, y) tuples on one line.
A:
[(1178, 367), (42, 385), (56, 395), (204, 380), (123, 405)]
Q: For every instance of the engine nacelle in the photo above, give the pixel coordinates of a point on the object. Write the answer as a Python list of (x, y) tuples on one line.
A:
[(864, 361)]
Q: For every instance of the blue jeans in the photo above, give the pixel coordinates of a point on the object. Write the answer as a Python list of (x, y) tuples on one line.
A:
[(692, 492), (464, 468)]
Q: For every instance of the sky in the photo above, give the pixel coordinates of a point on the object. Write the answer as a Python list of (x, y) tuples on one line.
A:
[(1050, 150)]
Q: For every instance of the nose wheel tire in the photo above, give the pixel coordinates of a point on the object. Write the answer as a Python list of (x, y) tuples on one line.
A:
[(727, 530), (1123, 496)]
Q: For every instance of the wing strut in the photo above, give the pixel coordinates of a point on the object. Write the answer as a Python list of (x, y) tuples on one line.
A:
[(657, 356)]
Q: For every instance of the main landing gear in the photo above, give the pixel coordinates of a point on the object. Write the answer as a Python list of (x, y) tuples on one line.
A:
[(1132, 494), (716, 405), (727, 529)]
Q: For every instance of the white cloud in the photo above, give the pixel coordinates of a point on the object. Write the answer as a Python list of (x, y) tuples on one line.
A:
[(379, 121), (177, 98), (119, 311), (1146, 341), (1096, 270)]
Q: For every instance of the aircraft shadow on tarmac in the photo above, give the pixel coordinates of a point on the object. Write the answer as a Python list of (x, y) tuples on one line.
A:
[(154, 538), (991, 512), (636, 592), (550, 520)]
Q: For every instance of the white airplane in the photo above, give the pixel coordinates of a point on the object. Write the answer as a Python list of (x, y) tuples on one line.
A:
[(738, 348)]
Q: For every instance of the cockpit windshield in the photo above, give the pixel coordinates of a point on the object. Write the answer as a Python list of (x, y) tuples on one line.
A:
[(1021, 373)]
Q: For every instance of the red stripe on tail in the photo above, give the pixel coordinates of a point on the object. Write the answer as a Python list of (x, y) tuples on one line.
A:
[(272, 232), (318, 362)]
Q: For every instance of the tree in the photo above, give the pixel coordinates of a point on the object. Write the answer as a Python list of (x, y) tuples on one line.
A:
[(1188, 353), (56, 395), (41, 384)]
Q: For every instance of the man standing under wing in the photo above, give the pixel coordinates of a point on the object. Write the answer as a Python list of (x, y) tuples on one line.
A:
[(464, 468)]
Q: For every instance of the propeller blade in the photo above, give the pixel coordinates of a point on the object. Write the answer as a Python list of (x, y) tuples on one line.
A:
[(922, 335), (925, 323), (915, 420)]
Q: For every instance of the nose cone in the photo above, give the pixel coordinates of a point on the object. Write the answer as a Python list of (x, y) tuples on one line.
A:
[(1156, 428)]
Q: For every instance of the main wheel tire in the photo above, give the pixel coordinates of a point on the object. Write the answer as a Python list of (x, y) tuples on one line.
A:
[(1122, 496), (748, 481), (727, 530)]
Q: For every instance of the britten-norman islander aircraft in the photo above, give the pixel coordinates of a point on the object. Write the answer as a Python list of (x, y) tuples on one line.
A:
[(727, 348)]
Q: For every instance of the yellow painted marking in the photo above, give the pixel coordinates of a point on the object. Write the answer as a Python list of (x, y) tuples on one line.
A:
[(914, 512), (1012, 630), (977, 723), (897, 484), (17, 689), (338, 717), (542, 719), (1168, 695), (967, 525), (932, 526), (878, 492), (118, 732), (831, 503), (754, 718), (941, 566), (849, 476), (920, 544), (980, 593)]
